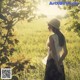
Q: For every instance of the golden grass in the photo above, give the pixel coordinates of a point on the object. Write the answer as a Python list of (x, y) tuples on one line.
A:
[(33, 37)]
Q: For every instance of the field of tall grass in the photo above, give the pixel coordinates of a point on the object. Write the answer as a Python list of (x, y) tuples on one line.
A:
[(32, 45)]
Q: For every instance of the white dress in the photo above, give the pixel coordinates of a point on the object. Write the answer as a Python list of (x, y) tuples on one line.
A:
[(59, 49)]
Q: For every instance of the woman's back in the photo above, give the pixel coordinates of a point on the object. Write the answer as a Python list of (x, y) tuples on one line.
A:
[(59, 49)]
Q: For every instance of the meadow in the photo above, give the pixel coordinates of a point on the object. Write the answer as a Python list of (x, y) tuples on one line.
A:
[(32, 45)]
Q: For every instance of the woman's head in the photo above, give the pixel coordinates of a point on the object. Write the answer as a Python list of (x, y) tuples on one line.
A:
[(54, 25)]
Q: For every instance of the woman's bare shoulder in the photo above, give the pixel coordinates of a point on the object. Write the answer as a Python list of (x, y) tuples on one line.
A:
[(51, 36)]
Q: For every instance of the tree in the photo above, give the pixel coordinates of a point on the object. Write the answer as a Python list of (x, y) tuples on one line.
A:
[(73, 19), (11, 11)]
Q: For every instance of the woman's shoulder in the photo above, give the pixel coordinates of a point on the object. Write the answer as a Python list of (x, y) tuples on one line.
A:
[(52, 36)]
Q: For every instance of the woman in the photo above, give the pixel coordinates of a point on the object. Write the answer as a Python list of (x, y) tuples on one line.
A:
[(56, 52)]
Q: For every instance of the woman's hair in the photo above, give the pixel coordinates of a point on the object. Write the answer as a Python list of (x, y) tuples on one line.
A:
[(60, 36), (61, 39)]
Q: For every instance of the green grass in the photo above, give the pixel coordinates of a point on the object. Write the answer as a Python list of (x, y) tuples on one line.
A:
[(33, 36)]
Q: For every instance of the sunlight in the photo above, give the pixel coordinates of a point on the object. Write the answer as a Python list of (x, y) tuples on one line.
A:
[(50, 10)]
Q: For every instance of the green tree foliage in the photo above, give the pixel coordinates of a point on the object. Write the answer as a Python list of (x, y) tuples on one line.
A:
[(11, 11), (73, 19)]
